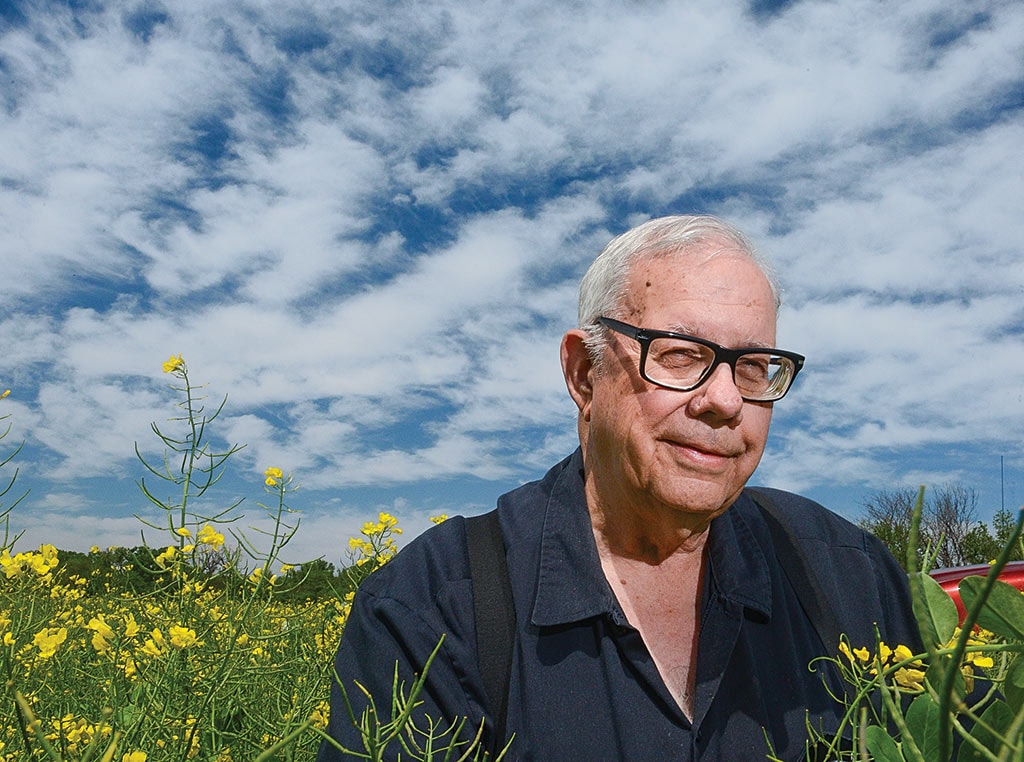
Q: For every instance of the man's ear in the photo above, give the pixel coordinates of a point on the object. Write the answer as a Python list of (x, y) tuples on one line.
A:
[(578, 370)]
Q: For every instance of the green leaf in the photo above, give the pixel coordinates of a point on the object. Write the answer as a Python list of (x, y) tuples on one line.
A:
[(936, 615), (999, 718), (1013, 687), (1003, 612), (936, 677), (881, 745), (923, 724)]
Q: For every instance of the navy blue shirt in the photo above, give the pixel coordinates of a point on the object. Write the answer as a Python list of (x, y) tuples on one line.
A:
[(583, 684)]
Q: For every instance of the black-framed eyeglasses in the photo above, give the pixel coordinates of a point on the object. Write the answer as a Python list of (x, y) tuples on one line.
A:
[(680, 362)]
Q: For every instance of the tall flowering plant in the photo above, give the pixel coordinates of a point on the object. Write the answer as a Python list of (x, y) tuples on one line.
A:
[(208, 663), (961, 699), (6, 488)]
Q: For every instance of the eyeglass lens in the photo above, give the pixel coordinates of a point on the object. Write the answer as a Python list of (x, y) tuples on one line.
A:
[(683, 364)]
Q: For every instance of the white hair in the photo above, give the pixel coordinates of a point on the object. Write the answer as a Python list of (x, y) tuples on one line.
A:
[(603, 287)]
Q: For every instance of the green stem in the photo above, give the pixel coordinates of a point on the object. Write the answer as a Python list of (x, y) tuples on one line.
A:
[(946, 693)]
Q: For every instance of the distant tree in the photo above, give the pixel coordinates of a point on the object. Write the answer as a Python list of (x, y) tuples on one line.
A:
[(116, 569), (950, 517), (950, 529), (889, 516), (313, 580), (1003, 524), (75, 564), (979, 546)]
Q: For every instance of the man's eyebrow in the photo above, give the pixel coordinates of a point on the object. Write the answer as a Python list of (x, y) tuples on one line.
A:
[(688, 330)]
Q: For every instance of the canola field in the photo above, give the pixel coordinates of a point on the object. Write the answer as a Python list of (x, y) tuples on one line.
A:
[(214, 658)]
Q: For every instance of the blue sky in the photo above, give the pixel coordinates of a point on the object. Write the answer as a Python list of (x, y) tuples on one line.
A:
[(365, 223)]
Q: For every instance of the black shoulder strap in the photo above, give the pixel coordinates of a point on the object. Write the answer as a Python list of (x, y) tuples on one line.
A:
[(494, 610), (798, 570)]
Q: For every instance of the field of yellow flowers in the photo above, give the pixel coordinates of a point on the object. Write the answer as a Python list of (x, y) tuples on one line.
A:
[(211, 662), (195, 671)]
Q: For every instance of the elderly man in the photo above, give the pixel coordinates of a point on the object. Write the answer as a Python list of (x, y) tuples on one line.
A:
[(657, 609)]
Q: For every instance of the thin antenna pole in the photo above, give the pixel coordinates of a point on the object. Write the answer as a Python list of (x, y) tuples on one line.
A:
[(1002, 486)]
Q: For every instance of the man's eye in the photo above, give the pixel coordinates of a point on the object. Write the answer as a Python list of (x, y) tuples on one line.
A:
[(680, 357), (753, 367)]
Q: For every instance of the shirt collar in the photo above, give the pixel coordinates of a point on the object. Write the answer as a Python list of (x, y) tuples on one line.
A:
[(571, 585), (736, 561)]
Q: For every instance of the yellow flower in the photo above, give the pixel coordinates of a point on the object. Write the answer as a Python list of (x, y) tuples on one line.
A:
[(902, 653), (173, 364), (103, 633), (166, 556), (10, 566), (320, 715), (129, 667), (273, 475), (5, 628), (910, 679), (134, 756), (49, 639), (439, 519), (183, 637), (42, 562), (77, 732), (183, 532), (155, 645), (210, 536), (5, 394)]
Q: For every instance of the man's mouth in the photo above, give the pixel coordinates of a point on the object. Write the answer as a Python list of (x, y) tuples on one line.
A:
[(705, 451)]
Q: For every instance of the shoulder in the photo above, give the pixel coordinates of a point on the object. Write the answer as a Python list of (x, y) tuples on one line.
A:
[(811, 521), (852, 568), (439, 556), (427, 564), (557, 481), (832, 545)]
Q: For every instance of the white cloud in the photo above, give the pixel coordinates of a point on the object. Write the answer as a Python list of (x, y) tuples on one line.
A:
[(378, 268)]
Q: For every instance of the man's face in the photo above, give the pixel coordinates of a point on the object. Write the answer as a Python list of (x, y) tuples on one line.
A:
[(691, 451)]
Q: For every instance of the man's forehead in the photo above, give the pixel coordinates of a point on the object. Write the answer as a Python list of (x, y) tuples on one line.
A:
[(722, 274), (687, 294)]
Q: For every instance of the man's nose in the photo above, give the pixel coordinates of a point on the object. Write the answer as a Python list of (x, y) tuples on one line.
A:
[(719, 393)]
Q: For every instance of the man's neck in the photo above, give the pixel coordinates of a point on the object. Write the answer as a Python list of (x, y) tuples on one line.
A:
[(647, 533)]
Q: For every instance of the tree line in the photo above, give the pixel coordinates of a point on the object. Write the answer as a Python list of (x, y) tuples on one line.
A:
[(950, 530), (135, 571)]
